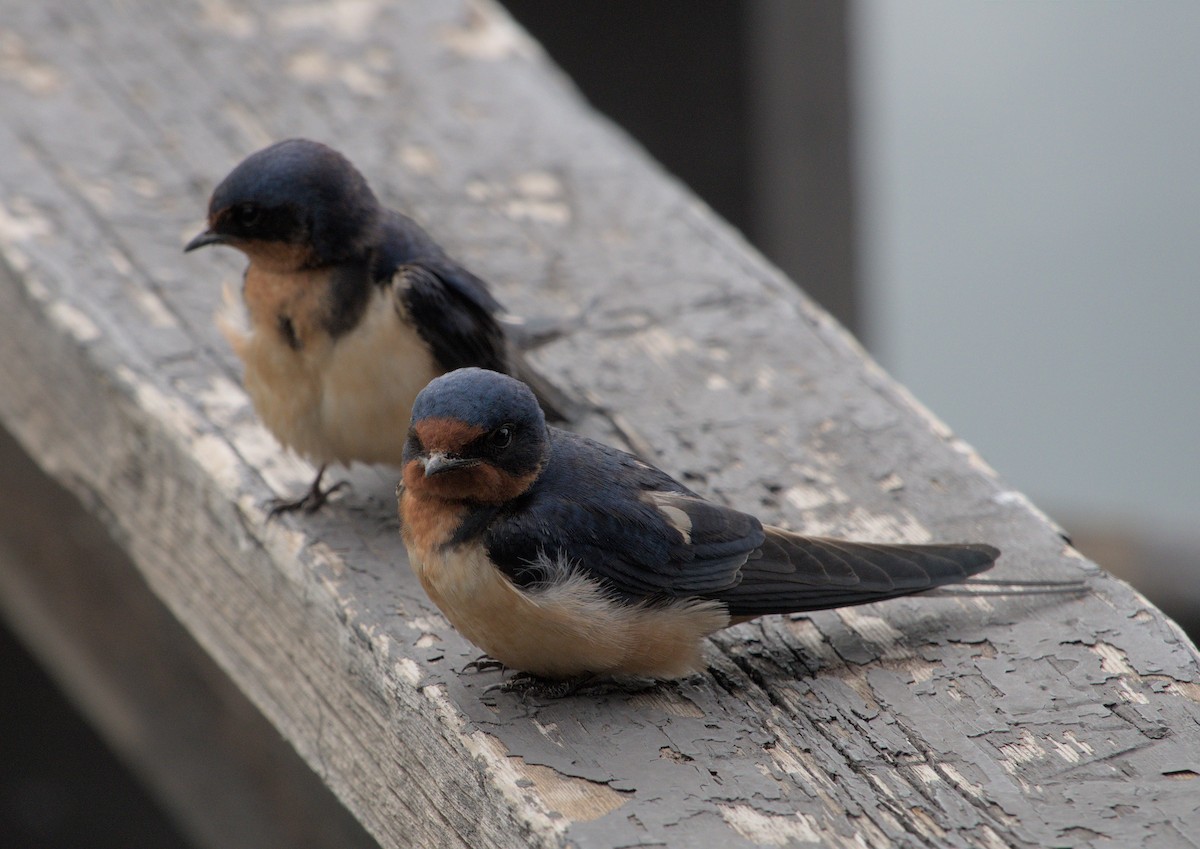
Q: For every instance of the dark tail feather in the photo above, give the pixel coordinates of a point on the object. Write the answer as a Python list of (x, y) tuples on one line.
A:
[(792, 573)]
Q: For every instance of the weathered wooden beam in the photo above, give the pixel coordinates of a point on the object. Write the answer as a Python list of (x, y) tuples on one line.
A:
[(954, 722)]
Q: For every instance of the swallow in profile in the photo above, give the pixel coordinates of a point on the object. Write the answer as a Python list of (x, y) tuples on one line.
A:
[(567, 559), (352, 309)]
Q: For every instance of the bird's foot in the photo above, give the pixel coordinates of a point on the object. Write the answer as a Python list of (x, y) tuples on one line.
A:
[(547, 688), (310, 502), (554, 688)]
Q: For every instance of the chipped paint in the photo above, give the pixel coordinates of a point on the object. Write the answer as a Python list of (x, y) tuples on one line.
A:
[(408, 671), (73, 320), (576, 799), (420, 160), (523, 783), (805, 497), (1112, 659), (223, 17), (1023, 751), (222, 401), (254, 133), (21, 222), (219, 460), (926, 774), (959, 780), (349, 20), (876, 631), (154, 309), (770, 829), (544, 211), (19, 65), (315, 65), (533, 196), (489, 35)]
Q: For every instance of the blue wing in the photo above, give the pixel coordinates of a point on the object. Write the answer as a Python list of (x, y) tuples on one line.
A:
[(639, 532)]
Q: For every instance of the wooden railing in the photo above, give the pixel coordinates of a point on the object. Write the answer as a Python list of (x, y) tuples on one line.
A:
[(287, 683)]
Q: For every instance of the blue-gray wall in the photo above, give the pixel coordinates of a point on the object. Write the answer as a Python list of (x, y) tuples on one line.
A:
[(1029, 202)]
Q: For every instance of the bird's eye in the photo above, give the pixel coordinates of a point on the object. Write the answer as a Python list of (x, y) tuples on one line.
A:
[(502, 436), (247, 214)]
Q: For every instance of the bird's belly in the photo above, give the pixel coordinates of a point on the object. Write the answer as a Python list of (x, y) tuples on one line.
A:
[(569, 629), (339, 400), (373, 375)]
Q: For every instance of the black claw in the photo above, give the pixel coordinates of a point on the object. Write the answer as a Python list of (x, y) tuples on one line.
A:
[(310, 502)]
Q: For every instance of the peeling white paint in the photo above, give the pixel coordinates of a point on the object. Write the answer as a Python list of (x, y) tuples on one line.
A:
[(19, 65), (538, 184), (75, 321), (344, 19), (219, 460), (223, 17), (420, 160), (22, 222), (422, 623), (663, 345), (318, 66), (810, 497), (223, 401), (153, 308), (488, 35), (408, 671), (533, 209)]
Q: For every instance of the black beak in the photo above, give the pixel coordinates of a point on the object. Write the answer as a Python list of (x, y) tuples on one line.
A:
[(208, 237), (437, 463)]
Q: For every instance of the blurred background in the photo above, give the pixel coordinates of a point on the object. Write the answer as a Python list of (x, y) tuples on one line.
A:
[(999, 199)]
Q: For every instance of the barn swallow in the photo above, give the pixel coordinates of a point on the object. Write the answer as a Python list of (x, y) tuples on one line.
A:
[(567, 559), (352, 308)]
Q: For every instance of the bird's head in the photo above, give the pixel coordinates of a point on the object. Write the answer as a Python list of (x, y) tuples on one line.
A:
[(293, 205), (476, 436)]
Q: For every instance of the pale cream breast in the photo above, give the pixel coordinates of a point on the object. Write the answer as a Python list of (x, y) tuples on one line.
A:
[(335, 400), (569, 629)]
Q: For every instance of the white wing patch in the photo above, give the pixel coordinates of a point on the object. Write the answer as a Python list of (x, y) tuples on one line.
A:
[(677, 517)]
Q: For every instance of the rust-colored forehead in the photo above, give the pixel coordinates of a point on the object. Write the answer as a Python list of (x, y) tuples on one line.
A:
[(438, 434)]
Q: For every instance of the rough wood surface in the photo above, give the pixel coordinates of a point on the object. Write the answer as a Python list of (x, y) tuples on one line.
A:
[(945, 722)]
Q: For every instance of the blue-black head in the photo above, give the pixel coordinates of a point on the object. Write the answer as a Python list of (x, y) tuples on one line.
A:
[(476, 435), (296, 194)]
